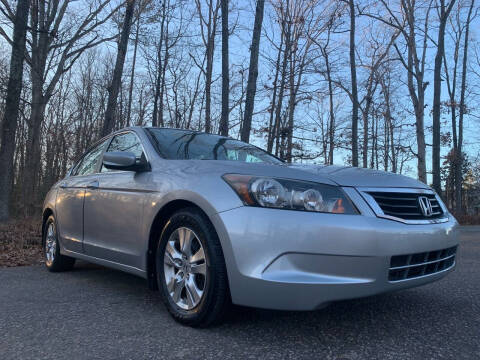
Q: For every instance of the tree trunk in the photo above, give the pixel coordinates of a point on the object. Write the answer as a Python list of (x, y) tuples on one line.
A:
[(437, 87), (366, 112), (114, 88), (252, 72), (331, 127), (291, 108), (271, 124), (12, 104), (415, 69), (420, 132), (388, 123), (459, 165), (451, 88), (132, 74), (386, 142), (208, 87), (37, 115), (162, 84), (278, 111), (212, 29), (158, 78), (225, 70), (353, 72)]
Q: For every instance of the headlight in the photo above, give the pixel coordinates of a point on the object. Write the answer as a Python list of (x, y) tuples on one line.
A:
[(290, 194)]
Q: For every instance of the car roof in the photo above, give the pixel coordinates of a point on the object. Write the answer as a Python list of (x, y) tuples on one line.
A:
[(185, 130)]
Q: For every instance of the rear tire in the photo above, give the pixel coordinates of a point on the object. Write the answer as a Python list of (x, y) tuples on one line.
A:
[(54, 261), (191, 271)]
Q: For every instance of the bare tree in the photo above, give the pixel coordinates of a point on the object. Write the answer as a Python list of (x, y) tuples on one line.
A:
[(444, 13), (252, 72), (271, 125), (114, 87), (307, 27), (12, 102), (328, 71), (286, 27), (159, 72), (459, 165), (379, 48), (225, 70), (208, 27), (407, 22), (455, 31), (54, 49), (304, 106), (385, 82), (331, 27), (353, 76), (134, 62)]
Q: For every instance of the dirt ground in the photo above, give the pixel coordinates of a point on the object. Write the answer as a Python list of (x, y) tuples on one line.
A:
[(20, 243)]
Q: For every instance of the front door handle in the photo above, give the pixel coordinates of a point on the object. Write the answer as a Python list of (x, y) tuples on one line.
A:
[(93, 185)]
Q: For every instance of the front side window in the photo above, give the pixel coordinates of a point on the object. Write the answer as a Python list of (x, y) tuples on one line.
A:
[(88, 165), (184, 145)]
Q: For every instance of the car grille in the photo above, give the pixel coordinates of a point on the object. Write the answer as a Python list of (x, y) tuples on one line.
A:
[(405, 205), (411, 266)]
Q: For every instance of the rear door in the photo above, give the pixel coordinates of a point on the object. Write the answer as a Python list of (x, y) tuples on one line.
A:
[(114, 211), (71, 195)]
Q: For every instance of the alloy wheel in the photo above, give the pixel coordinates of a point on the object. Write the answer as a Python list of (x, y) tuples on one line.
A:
[(185, 268), (50, 244)]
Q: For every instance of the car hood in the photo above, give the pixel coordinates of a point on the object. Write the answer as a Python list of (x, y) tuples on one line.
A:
[(333, 175), (360, 177)]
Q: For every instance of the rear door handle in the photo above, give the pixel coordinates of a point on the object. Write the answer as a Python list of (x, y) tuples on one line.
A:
[(93, 185)]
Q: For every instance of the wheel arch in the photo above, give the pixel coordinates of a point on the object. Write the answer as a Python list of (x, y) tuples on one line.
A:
[(160, 220), (47, 212)]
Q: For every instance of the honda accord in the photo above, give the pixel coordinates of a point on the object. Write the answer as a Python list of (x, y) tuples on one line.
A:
[(210, 221)]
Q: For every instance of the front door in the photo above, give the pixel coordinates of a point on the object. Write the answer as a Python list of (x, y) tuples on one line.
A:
[(71, 196), (113, 212)]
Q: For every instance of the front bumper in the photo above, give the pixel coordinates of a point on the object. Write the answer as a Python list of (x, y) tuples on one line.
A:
[(292, 260)]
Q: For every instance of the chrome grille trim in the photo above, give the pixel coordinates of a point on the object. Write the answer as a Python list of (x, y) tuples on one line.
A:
[(365, 192), (405, 206), (419, 265), (424, 276)]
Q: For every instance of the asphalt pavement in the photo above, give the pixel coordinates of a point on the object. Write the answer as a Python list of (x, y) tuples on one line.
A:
[(97, 313)]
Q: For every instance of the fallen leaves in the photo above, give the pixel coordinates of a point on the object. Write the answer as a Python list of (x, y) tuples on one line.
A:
[(20, 243)]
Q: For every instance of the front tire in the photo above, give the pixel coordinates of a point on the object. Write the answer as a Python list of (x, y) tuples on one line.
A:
[(191, 271), (54, 261)]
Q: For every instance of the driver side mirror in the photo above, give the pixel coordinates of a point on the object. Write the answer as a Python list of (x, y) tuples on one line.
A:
[(125, 160)]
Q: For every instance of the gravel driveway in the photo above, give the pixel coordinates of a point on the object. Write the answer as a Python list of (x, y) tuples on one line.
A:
[(93, 312)]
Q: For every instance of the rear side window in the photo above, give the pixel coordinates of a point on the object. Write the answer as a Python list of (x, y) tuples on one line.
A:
[(89, 163)]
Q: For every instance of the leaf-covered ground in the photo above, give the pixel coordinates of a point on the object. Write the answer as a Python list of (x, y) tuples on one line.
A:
[(20, 243)]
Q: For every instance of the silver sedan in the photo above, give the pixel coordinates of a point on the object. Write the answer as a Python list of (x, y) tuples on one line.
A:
[(210, 221)]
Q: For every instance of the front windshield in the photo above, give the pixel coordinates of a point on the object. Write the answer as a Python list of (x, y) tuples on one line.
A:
[(186, 145)]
